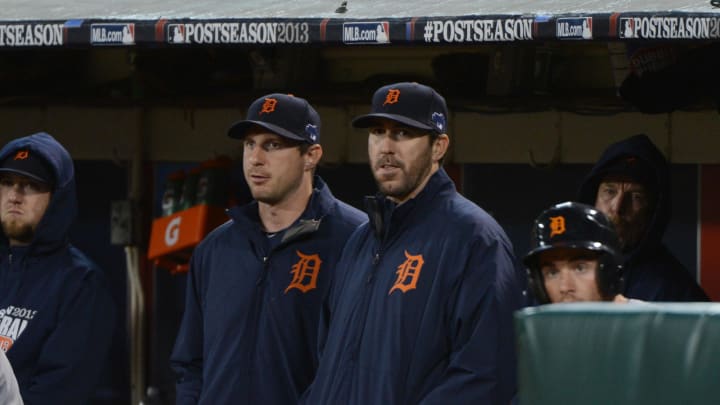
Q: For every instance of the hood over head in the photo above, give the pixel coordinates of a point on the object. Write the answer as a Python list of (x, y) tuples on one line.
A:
[(638, 158), (62, 209)]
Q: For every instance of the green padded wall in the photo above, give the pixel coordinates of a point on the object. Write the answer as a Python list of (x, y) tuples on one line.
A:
[(604, 353)]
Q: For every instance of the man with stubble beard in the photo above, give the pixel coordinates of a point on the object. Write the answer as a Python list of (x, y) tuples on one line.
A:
[(421, 309), (56, 312), (630, 184), (249, 330)]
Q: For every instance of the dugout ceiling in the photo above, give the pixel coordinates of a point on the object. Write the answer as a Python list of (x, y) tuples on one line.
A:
[(55, 23), (219, 51), (177, 67)]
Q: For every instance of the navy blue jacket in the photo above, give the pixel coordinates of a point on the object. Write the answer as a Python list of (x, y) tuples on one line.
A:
[(651, 272), (422, 311), (56, 313), (249, 330)]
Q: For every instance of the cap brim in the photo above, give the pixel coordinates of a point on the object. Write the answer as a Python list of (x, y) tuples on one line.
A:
[(366, 121), (23, 173), (239, 129)]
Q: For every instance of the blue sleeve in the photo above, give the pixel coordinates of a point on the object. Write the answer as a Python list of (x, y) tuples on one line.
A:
[(323, 327), (69, 364), (187, 356), (349, 253), (350, 249), (482, 365)]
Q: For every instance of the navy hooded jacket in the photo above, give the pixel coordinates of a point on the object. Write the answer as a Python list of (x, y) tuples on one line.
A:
[(651, 272), (249, 330), (422, 310), (56, 313)]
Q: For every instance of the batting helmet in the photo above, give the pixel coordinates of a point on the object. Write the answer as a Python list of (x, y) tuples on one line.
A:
[(575, 226)]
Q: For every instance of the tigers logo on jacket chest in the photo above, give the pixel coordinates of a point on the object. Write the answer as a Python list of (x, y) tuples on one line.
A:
[(408, 273), (305, 272)]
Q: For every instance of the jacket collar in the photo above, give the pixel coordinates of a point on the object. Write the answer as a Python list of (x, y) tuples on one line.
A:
[(386, 217), (319, 205)]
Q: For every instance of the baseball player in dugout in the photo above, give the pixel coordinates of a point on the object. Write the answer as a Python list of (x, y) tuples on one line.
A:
[(421, 312), (631, 185), (255, 285), (56, 312), (574, 256)]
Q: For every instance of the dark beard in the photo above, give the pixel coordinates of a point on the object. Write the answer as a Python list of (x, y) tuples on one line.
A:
[(20, 233), (416, 174), (630, 233), (404, 190)]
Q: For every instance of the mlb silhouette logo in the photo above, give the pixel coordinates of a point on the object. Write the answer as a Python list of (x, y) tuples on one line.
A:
[(176, 33), (383, 32), (128, 34), (627, 28), (586, 28)]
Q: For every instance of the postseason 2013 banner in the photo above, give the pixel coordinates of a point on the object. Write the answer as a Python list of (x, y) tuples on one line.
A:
[(451, 30)]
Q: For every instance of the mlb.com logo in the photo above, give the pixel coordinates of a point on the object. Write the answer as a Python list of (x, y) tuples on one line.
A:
[(627, 28), (112, 34), (375, 32), (176, 33), (574, 28)]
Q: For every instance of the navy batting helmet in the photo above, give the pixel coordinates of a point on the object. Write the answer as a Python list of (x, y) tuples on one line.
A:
[(575, 226)]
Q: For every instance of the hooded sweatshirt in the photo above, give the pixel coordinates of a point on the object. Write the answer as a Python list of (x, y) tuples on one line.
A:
[(650, 271), (56, 313)]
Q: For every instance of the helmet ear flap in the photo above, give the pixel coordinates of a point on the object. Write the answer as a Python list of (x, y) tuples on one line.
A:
[(609, 276), (537, 285), (620, 279)]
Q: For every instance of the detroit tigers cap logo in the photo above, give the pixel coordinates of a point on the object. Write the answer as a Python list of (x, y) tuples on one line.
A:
[(392, 97), (268, 106)]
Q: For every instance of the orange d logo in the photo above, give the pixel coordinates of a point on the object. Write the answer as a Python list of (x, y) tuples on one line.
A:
[(5, 343), (21, 155), (408, 273), (392, 97), (305, 272), (557, 226), (268, 106)]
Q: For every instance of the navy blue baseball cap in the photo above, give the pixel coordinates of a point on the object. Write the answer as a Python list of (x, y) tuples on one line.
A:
[(283, 114), (411, 104), (29, 164), (632, 167)]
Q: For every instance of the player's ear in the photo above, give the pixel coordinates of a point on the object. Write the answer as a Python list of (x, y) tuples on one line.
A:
[(313, 156), (440, 146)]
